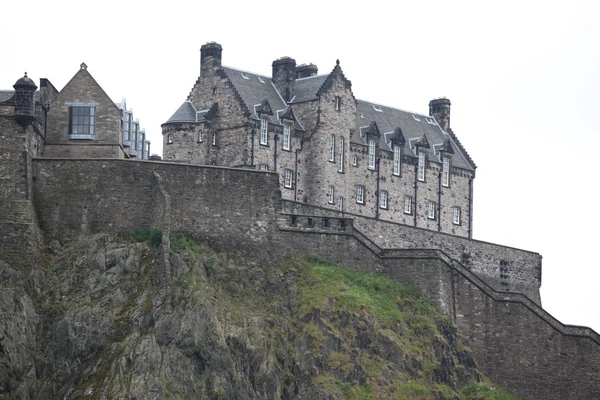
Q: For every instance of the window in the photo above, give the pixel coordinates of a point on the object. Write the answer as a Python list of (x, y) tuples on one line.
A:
[(126, 127), (169, 139), (341, 167), (263, 167), (340, 203), (421, 167), (431, 209), (214, 91), (286, 137), (288, 178), (140, 138), (82, 121), (200, 136), (214, 139), (445, 171), (134, 135), (383, 199), (332, 148), (371, 154), (354, 160), (338, 102), (330, 194), (264, 137), (360, 194), (397, 159), (407, 205), (456, 215)]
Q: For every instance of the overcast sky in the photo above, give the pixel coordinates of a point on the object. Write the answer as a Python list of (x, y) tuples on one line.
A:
[(523, 78)]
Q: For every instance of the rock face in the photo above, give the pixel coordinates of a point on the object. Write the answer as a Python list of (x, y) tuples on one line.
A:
[(108, 318)]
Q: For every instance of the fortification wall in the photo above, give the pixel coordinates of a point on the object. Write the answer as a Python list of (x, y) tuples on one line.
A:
[(504, 268), (516, 342)]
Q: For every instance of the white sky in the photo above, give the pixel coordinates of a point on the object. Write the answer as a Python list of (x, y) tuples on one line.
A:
[(523, 77)]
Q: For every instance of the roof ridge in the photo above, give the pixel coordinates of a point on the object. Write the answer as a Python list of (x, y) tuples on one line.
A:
[(245, 71), (396, 108)]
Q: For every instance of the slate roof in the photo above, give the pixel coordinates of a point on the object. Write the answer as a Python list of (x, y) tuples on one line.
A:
[(6, 95), (185, 113), (254, 89), (307, 88), (413, 126)]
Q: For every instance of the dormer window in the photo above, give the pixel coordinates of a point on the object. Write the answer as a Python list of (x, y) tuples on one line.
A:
[(338, 102), (264, 137), (287, 141), (371, 154), (421, 166), (445, 171)]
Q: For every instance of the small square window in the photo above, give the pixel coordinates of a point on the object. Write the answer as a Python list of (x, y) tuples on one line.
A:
[(330, 194), (360, 194), (383, 199), (263, 167), (456, 215), (407, 205), (431, 209)]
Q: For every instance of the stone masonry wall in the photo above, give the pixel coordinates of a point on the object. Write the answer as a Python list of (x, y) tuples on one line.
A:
[(516, 342), (504, 268)]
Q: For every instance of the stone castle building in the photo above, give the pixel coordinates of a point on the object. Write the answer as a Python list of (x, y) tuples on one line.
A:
[(329, 148)]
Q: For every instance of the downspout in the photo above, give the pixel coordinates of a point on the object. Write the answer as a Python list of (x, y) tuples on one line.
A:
[(377, 193), (416, 191), (46, 109), (470, 229), (275, 154), (252, 148), (439, 210), (296, 176)]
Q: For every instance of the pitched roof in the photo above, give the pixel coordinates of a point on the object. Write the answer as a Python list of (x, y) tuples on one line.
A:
[(185, 113), (6, 95), (413, 125), (307, 88)]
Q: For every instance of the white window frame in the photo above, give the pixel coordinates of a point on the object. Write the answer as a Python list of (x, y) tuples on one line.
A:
[(360, 194), (332, 148), (286, 137), (340, 203), (263, 167), (397, 159), (430, 209), (341, 166), (264, 132), (456, 215), (331, 194), (383, 199), (421, 166), (445, 171), (407, 205), (214, 139), (288, 178), (371, 153)]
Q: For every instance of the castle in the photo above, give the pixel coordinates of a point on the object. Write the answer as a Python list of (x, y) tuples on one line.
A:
[(66, 169), (329, 148)]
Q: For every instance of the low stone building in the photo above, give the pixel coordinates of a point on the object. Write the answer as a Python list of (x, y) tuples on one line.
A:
[(329, 148)]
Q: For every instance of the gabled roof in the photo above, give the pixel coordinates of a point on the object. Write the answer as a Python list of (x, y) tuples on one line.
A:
[(413, 127), (6, 95), (307, 88)]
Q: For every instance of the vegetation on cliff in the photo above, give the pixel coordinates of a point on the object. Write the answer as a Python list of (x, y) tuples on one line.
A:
[(109, 318)]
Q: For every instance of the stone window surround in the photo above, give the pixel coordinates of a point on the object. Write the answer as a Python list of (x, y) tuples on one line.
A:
[(85, 136)]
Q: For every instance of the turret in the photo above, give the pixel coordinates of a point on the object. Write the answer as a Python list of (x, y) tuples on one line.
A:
[(210, 56), (440, 110), (284, 76), (24, 101)]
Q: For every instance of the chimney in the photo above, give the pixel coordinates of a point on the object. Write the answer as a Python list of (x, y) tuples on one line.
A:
[(210, 56), (284, 76), (440, 110), (306, 70)]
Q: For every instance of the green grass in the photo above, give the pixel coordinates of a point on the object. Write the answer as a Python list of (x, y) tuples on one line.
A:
[(482, 391)]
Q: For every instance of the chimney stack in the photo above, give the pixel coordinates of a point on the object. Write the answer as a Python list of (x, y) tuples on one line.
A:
[(210, 56), (284, 76), (306, 70), (440, 110)]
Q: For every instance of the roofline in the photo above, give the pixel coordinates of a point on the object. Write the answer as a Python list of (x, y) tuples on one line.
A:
[(395, 108)]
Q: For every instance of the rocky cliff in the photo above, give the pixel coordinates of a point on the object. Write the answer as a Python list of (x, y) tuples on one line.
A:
[(112, 317)]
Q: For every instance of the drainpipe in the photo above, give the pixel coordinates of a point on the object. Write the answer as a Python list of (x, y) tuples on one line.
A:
[(296, 176), (46, 109), (439, 210), (377, 193), (416, 191), (275, 154), (252, 147), (470, 229)]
